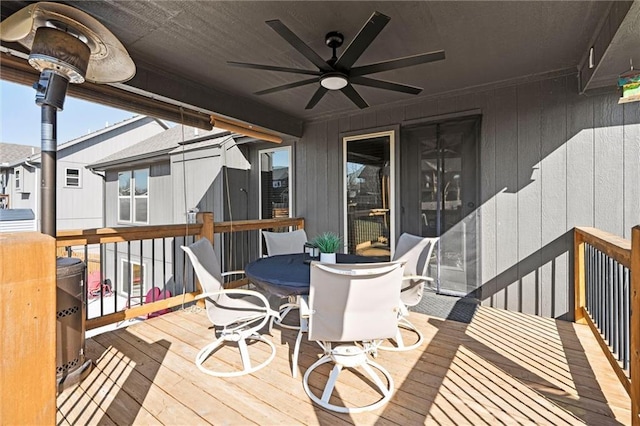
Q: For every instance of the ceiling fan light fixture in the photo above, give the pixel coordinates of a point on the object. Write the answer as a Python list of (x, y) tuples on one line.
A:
[(333, 81)]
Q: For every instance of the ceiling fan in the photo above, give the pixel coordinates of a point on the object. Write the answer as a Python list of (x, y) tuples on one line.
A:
[(339, 73)]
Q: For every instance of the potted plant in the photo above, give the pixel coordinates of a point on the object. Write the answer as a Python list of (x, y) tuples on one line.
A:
[(328, 243)]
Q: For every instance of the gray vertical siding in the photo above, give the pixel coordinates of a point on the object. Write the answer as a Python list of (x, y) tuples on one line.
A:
[(550, 159)]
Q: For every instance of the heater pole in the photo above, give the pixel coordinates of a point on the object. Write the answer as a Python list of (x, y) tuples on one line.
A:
[(51, 90), (48, 183)]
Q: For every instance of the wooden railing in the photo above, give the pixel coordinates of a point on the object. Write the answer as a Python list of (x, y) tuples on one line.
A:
[(607, 294), (91, 243)]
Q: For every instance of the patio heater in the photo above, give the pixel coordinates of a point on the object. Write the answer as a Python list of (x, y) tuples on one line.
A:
[(67, 46)]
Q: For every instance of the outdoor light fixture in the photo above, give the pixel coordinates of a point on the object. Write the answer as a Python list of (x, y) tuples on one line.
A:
[(333, 81), (629, 84), (67, 46)]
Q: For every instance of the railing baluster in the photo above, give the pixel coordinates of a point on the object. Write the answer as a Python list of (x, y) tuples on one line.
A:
[(115, 277), (615, 309), (153, 266), (627, 301), (129, 279), (164, 261)]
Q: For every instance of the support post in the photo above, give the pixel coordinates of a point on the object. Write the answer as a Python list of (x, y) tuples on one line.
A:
[(206, 219), (579, 278), (634, 324), (28, 328)]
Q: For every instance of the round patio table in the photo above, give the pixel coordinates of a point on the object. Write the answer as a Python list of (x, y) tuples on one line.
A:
[(288, 274)]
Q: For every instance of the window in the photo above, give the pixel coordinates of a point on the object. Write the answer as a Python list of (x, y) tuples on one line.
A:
[(133, 280), (276, 183), (72, 178), (368, 191), (133, 196), (17, 176)]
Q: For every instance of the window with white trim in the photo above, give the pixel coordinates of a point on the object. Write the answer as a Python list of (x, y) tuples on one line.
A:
[(17, 178), (132, 279), (72, 178), (133, 196)]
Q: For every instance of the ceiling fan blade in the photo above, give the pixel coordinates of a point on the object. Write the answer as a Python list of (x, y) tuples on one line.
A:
[(393, 64), (287, 86), (387, 85), (316, 97), (354, 96), (367, 34), (272, 68), (298, 44)]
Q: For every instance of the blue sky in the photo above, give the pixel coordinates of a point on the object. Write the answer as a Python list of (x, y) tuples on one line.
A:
[(20, 116)]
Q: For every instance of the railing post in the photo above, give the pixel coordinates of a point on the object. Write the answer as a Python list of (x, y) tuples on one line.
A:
[(206, 219), (579, 277), (28, 328), (634, 323)]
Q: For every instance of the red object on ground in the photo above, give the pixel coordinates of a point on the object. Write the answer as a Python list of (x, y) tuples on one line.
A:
[(154, 295), (93, 286)]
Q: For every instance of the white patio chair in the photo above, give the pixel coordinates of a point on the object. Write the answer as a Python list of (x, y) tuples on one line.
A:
[(416, 251), (285, 243), (356, 304), (240, 317)]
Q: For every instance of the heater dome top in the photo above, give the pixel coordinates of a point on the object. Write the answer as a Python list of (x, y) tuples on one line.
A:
[(109, 61)]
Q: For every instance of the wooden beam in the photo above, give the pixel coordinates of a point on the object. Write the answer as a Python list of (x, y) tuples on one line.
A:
[(150, 80), (591, 64), (143, 310), (28, 328), (19, 71), (116, 235)]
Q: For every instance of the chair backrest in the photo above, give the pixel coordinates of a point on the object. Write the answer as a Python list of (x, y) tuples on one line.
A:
[(285, 242), (416, 251), (352, 302), (205, 263)]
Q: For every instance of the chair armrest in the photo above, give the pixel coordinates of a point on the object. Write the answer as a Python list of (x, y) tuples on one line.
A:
[(267, 306), (305, 311), (238, 272)]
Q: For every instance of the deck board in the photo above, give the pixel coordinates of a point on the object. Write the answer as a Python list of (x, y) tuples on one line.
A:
[(502, 368)]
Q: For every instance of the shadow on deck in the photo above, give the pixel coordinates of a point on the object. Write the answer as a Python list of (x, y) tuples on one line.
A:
[(501, 368)]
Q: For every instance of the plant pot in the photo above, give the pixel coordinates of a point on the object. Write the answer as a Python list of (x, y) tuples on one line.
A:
[(328, 257)]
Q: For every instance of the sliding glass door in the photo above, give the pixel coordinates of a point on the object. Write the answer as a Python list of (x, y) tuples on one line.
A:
[(448, 194)]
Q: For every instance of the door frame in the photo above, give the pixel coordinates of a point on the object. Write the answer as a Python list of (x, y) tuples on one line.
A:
[(393, 184), (436, 121)]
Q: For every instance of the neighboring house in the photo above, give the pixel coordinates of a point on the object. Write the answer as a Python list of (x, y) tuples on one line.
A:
[(79, 192), (11, 155), (157, 182)]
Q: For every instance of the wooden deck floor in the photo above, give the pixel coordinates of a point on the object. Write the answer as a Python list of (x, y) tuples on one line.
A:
[(503, 368)]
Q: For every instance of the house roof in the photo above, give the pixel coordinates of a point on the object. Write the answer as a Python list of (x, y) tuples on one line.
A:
[(12, 153), (157, 145), (20, 153), (108, 129), (280, 173)]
